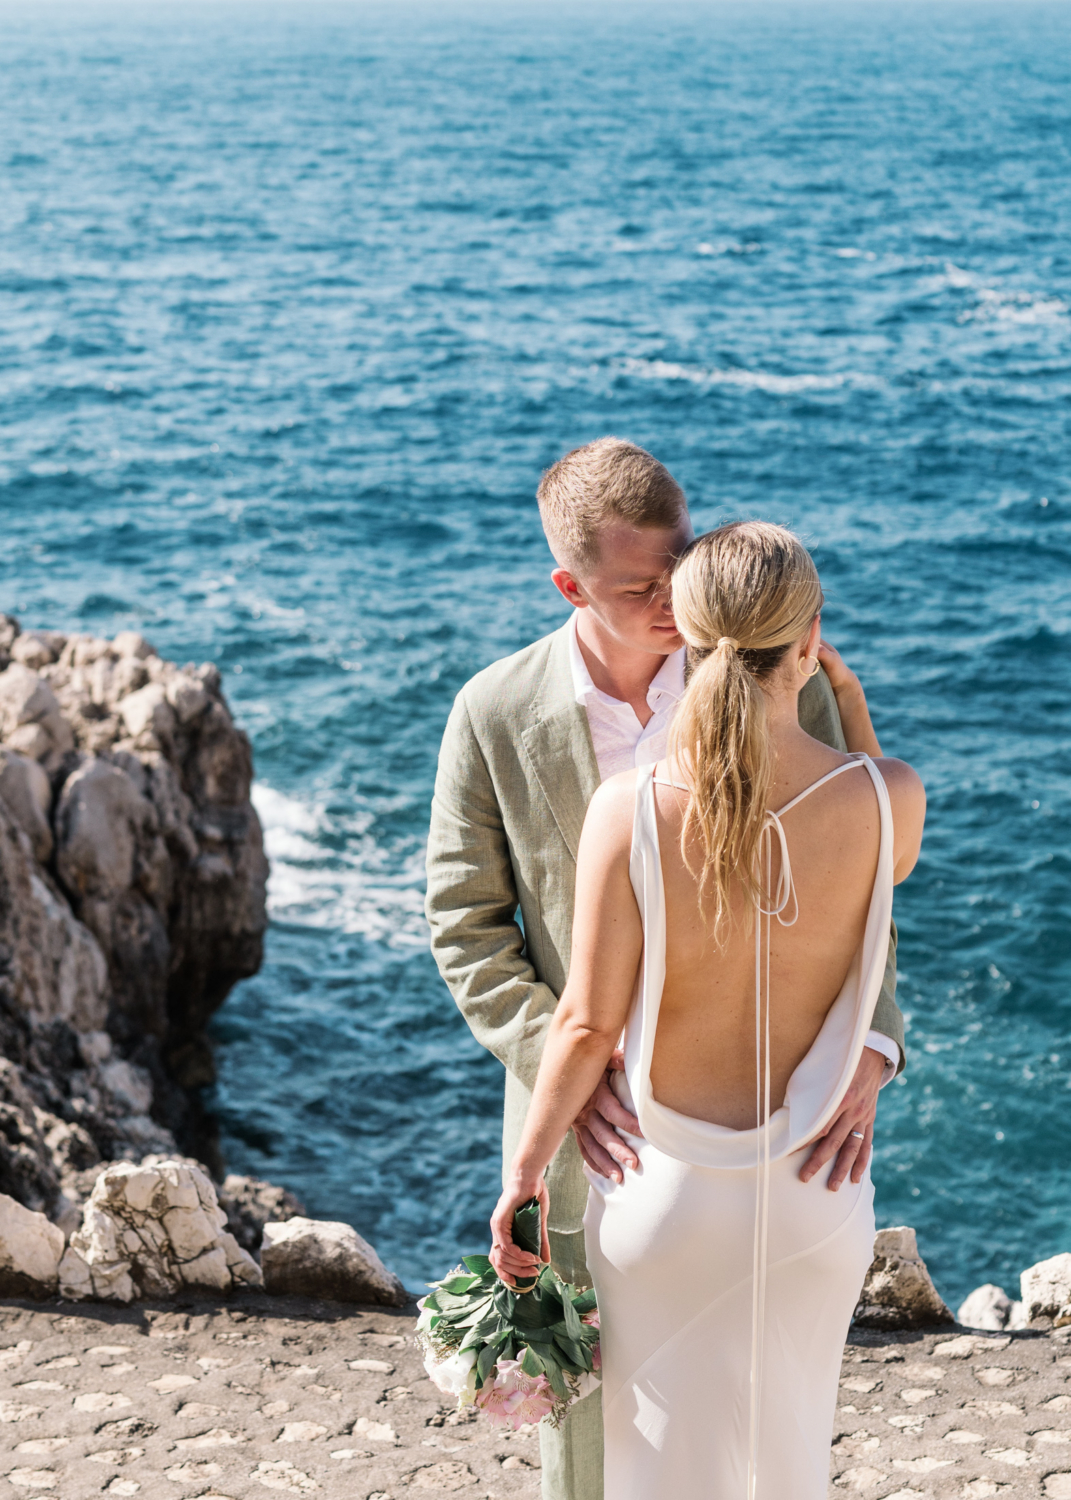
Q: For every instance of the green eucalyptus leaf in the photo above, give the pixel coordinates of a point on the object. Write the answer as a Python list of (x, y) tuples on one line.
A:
[(557, 1382), (458, 1285), (486, 1361), (526, 1234), (531, 1363), (575, 1353), (478, 1264), (572, 1321)]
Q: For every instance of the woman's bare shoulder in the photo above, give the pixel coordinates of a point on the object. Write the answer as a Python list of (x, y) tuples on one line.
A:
[(610, 812), (903, 781)]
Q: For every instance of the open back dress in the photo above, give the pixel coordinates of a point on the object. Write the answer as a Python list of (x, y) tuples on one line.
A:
[(725, 1284)]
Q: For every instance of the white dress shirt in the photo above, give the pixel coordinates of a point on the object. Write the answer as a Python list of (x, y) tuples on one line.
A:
[(621, 743)]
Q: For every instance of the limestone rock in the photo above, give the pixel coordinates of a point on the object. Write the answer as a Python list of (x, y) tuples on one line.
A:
[(249, 1203), (1046, 1290), (132, 897), (30, 718), (898, 1291), (987, 1306), (9, 634), (30, 1250), (53, 966), (151, 1230), (27, 792), (315, 1258)]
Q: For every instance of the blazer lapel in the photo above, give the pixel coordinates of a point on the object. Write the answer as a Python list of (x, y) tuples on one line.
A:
[(559, 748)]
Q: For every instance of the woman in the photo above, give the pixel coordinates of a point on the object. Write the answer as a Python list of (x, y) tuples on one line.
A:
[(732, 917)]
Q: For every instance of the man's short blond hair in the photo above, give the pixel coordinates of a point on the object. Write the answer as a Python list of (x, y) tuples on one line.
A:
[(604, 481)]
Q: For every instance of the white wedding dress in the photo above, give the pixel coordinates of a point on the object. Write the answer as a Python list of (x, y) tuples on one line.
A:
[(725, 1284)]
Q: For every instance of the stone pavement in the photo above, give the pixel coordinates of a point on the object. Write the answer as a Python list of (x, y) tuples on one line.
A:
[(954, 1414), (223, 1400), (234, 1399)]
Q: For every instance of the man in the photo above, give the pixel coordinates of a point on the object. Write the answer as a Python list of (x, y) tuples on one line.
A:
[(528, 741)]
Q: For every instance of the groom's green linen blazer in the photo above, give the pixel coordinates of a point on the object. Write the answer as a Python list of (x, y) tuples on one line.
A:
[(517, 770)]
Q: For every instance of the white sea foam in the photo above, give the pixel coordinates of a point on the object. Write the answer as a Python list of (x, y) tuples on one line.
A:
[(728, 247), (998, 306), (995, 304), (330, 872), (753, 380)]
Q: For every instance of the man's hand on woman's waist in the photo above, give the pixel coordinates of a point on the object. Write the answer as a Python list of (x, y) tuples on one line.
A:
[(597, 1125)]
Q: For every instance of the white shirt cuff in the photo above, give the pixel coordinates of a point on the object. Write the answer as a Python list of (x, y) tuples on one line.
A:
[(888, 1049)]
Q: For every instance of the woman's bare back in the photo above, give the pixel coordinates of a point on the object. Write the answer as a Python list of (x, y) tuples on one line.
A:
[(704, 1056)]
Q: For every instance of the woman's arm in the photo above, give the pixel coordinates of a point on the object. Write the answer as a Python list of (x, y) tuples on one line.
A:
[(607, 943), (908, 797)]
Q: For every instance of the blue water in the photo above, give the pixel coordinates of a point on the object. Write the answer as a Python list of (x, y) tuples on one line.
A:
[(295, 305)]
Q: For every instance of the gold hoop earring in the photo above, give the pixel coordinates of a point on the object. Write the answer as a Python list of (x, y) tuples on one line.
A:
[(817, 664)]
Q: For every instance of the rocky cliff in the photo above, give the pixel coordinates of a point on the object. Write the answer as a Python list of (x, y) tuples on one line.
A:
[(132, 897)]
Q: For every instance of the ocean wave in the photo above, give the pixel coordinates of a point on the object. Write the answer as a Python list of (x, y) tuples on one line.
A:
[(996, 304), (750, 380), (329, 872)]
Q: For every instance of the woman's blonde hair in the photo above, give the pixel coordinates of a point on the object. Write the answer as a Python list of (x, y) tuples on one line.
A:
[(741, 596)]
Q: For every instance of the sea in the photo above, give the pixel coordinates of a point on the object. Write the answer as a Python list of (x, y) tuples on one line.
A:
[(298, 300)]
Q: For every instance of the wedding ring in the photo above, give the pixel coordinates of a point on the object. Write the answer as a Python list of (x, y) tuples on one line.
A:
[(859, 1135)]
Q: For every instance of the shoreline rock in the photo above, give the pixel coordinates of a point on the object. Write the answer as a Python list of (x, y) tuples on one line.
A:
[(898, 1291), (132, 898), (313, 1258), (151, 1230)]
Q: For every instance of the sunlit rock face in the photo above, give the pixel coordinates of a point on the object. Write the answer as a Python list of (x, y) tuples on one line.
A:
[(132, 898)]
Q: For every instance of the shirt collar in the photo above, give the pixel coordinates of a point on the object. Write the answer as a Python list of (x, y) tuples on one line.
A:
[(668, 681)]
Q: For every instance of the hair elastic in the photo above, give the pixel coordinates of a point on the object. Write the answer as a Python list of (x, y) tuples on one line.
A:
[(727, 640)]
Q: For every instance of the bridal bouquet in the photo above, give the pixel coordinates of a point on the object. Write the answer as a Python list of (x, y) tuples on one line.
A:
[(519, 1355)]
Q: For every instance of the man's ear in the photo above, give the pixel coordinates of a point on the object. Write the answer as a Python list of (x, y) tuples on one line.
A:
[(569, 588)]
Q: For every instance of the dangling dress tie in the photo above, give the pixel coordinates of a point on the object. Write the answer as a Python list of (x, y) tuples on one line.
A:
[(764, 915)]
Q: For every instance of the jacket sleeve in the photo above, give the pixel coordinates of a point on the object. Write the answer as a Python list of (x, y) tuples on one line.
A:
[(472, 905), (819, 717)]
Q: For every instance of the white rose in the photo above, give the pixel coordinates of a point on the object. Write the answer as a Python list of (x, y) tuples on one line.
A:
[(455, 1376)]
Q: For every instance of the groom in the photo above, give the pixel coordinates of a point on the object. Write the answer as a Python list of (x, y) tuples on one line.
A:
[(528, 741)]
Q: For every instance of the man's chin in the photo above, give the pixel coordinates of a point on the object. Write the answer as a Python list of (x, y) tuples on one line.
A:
[(665, 642)]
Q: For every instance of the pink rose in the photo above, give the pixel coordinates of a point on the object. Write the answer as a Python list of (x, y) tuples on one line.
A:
[(514, 1398), (592, 1318), (596, 1357)]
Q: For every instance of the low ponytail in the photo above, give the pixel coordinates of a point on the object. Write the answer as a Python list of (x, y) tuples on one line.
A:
[(741, 596)]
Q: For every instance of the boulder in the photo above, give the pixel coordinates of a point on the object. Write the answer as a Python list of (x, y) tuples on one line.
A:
[(31, 721), (1046, 1290), (30, 1251), (898, 1291), (27, 791), (987, 1307), (315, 1258), (37, 648), (153, 1230)]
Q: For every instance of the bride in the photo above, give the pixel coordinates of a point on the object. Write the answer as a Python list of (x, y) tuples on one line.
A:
[(732, 919)]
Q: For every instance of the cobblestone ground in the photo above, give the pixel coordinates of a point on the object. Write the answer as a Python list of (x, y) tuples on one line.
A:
[(224, 1400)]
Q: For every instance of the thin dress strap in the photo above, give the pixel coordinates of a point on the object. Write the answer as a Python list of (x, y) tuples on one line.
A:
[(777, 903), (847, 766)]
